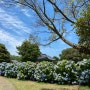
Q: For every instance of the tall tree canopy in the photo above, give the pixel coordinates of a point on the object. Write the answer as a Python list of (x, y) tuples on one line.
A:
[(83, 28), (28, 51), (73, 54), (4, 54), (57, 15)]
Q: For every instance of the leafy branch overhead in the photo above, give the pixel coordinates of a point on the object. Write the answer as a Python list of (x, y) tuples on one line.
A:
[(62, 17)]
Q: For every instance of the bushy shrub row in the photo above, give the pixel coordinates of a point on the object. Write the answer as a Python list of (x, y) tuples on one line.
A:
[(44, 71), (64, 72)]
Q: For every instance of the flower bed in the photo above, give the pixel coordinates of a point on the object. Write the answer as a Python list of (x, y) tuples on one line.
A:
[(64, 72)]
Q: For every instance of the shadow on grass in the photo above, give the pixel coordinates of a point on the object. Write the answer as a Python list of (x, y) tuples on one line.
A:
[(47, 89), (55, 89)]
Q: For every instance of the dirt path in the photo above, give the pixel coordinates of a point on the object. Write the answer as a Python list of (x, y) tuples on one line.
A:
[(6, 85)]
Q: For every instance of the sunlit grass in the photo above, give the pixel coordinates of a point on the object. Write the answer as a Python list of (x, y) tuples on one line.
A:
[(30, 85), (14, 84), (84, 88)]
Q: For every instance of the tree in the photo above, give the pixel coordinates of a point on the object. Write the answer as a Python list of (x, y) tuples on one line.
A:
[(4, 54), (56, 15), (34, 39), (13, 57), (83, 28), (56, 58), (72, 54), (28, 51)]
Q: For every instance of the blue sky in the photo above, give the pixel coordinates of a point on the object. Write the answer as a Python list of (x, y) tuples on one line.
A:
[(15, 27)]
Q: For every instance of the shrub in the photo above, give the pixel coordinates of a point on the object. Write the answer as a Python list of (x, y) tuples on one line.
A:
[(2, 68), (83, 69), (26, 70), (11, 70), (44, 71), (64, 72)]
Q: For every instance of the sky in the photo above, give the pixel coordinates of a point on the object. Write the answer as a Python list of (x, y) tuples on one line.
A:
[(15, 27)]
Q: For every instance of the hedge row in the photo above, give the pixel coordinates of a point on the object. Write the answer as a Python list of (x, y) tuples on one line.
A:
[(64, 72)]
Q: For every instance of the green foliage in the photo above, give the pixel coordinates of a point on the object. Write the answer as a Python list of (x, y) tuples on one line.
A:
[(2, 68), (83, 28), (13, 57), (70, 54), (10, 70), (44, 71), (56, 58), (64, 72), (83, 70), (28, 51), (4, 54), (26, 70)]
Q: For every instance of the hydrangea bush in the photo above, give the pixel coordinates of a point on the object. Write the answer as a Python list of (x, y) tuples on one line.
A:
[(10, 70), (26, 70), (2, 68), (64, 72), (83, 70), (44, 71)]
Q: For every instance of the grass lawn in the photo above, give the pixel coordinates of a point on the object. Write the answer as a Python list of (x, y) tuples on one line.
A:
[(30, 85)]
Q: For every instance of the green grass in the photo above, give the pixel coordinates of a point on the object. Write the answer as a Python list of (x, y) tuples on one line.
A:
[(30, 85), (84, 88)]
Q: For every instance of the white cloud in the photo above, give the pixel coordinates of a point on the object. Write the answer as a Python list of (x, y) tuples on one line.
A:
[(11, 29), (26, 12), (10, 41), (13, 22)]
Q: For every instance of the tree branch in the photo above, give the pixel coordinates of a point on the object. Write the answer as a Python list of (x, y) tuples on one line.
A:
[(50, 42), (59, 10), (48, 22)]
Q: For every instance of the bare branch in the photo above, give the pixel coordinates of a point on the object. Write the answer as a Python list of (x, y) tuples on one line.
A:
[(59, 10), (44, 7), (50, 42), (42, 14)]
